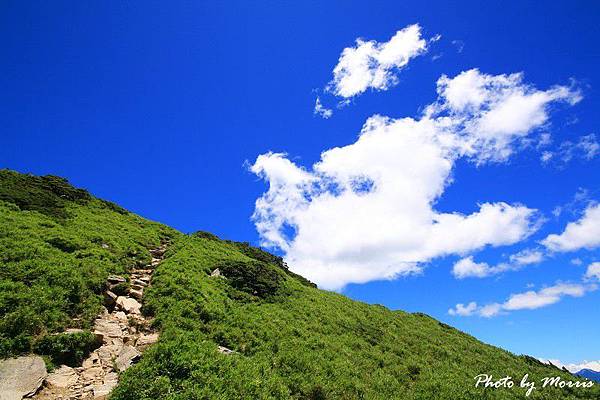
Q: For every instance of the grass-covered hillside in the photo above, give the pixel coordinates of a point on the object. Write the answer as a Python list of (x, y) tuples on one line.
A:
[(291, 340)]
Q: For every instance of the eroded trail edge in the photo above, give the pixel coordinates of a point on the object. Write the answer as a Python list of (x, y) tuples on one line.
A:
[(124, 333)]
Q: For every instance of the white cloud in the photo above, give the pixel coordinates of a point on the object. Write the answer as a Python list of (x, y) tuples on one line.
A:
[(526, 257), (496, 109), (459, 44), (593, 365), (593, 271), (370, 64), (365, 211), (586, 147), (467, 268), (589, 146), (321, 110), (544, 297), (584, 233), (529, 300), (462, 310)]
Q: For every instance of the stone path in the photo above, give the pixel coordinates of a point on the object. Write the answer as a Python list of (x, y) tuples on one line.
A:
[(124, 332)]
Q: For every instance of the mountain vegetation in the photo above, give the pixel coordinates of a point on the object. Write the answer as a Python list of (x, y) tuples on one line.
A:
[(290, 340)]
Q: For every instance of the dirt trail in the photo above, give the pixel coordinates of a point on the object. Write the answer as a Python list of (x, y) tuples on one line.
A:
[(124, 332)]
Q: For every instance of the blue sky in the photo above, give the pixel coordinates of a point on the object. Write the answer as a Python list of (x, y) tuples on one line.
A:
[(163, 109)]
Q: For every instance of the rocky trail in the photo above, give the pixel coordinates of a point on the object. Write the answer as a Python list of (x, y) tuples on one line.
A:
[(124, 333)]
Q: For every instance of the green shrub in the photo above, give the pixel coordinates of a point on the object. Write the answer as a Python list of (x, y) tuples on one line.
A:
[(48, 195), (253, 277), (67, 348)]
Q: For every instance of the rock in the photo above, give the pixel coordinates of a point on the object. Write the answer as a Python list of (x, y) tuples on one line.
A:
[(116, 279), (73, 330), (216, 272), (136, 293), (225, 350), (127, 356), (90, 374), (107, 328), (145, 279), (109, 298), (139, 282), (20, 377), (62, 378), (102, 391), (92, 361), (137, 287), (146, 340), (120, 315), (105, 246), (129, 305)]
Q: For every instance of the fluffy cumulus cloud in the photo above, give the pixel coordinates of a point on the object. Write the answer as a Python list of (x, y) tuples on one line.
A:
[(496, 109), (593, 271), (370, 64), (365, 211), (584, 233), (529, 300), (574, 367), (468, 268)]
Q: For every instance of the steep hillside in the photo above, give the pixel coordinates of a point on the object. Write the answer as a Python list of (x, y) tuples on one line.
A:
[(289, 339)]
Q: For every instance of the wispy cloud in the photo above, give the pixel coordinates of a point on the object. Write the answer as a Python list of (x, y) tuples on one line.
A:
[(586, 148), (468, 268), (322, 110), (529, 300)]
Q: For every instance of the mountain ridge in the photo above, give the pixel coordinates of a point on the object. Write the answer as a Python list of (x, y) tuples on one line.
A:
[(288, 338), (589, 374)]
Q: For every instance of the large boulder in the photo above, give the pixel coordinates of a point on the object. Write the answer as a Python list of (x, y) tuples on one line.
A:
[(62, 378), (127, 357), (129, 305), (21, 377)]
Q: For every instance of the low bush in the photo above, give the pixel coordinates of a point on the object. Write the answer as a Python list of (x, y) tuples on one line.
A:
[(253, 277), (67, 348)]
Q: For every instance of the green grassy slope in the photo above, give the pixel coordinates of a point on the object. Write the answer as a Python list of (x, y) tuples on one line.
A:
[(291, 339)]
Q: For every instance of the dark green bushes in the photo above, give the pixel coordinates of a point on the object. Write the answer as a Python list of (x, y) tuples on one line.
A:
[(48, 195), (253, 277), (67, 348)]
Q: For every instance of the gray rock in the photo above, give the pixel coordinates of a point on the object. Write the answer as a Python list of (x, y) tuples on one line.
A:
[(109, 298), (105, 329), (127, 356), (116, 279), (136, 293), (145, 341), (20, 377), (62, 378), (216, 272), (102, 391), (225, 350), (129, 305)]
